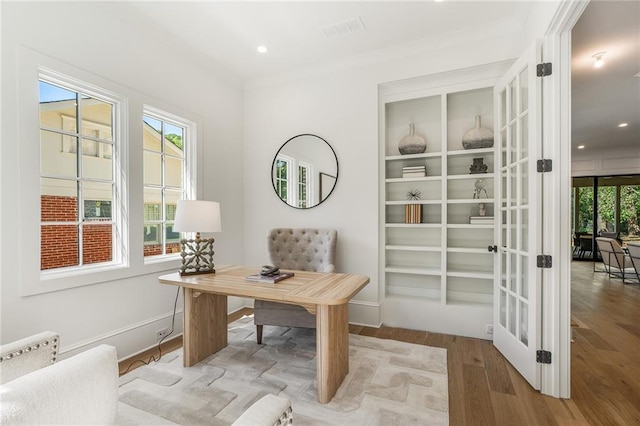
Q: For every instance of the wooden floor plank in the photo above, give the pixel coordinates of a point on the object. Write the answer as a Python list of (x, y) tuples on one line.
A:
[(605, 377), (478, 406)]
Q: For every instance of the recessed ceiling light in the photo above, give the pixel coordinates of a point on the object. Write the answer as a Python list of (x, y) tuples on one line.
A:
[(598, 61), (623, 124), (580, 146), (262, 49)]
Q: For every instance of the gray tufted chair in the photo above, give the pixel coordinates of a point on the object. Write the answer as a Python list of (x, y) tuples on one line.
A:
[(299, 249)]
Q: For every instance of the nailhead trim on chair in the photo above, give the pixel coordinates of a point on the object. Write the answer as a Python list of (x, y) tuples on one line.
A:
[(54, 352), (285, 419)]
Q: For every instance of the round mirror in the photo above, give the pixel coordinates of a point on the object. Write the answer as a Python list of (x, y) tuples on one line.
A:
[(304, 171)]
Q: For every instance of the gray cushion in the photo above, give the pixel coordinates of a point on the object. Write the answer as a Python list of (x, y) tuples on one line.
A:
[(302, 249)]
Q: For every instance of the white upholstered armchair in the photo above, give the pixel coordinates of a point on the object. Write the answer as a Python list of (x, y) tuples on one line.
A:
[(37, 390), (301, 249)]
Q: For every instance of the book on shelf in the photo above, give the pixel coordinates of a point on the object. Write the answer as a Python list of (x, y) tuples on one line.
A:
[(481, 220), (413, 213), (269, 278), (414, 171)]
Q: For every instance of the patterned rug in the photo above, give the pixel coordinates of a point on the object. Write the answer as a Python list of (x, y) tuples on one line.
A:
[(389, 382)]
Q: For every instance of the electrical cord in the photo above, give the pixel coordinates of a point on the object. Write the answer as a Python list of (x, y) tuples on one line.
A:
[(152, 358)]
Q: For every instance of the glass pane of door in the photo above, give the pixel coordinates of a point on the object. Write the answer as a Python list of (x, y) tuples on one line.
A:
[(517, 289)]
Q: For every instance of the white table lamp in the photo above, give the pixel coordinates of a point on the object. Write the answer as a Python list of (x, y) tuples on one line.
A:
[(197, 216)]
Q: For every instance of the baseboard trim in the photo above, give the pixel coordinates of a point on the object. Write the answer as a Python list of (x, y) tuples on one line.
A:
[(118, 332)]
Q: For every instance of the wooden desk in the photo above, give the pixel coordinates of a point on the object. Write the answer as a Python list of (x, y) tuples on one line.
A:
[(326, 295)]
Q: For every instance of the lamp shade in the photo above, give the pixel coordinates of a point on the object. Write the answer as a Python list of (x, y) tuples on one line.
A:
[(197, 216)]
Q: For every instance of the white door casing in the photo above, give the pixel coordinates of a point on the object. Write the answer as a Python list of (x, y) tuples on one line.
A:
[(517, 283)]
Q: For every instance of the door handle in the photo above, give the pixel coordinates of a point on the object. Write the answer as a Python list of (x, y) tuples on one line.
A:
[(493, 248)]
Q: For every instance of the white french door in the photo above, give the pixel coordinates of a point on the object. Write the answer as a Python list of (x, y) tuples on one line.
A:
[(517, 286)]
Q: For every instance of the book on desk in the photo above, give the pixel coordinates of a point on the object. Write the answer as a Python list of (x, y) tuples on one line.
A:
[(269, 278)]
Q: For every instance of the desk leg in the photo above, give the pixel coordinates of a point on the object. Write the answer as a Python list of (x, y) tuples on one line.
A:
[(332, 342), (205, 325)]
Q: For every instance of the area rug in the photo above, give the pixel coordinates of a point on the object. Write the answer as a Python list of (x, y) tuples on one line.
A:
[(389, 382)]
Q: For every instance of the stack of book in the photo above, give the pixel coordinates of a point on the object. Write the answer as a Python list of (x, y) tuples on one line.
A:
[(481, 220), (414, 171), (269, 278), (413, 213)]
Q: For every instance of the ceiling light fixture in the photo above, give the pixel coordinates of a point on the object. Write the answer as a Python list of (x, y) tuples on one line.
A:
[(262, 49), (580, 146), (623, 124), (597, 58)]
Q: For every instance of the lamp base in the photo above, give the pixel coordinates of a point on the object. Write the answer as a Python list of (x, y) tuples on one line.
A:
[(197, 256)]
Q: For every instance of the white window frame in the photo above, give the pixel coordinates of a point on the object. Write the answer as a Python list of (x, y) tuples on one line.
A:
[(27, 206), (119, 243), (188, 171)]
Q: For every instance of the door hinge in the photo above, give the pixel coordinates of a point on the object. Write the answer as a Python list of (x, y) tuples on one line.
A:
[(543, 69), (544, 165), (543, 357), (543, 261)]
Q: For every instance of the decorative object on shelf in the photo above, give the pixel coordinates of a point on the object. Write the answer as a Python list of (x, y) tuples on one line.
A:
[(413, 212), (480, 188), (414, 171), (412, 143), (482, 210), (478, 137), (481, 220), (478, 166), (197, 216)]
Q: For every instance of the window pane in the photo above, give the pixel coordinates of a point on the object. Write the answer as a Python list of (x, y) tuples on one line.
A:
[(97, 209), (606, 209), (524, 323), (585, 209), (151, 133), (58, 200), (173, 138), (524, 141), (524, 89), (152, 203), (173, 172), (55, 103), (58, 246), (630, 212), (164, 168), (97, 192), (171, 201), (57, 154), (97, 243), (152, 168), (97, 161), (97, 118)]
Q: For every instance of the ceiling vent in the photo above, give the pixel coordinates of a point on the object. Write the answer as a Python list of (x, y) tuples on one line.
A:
[(349, 26)]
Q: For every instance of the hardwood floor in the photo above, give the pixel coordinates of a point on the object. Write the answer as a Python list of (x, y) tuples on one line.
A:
[(484, 389)]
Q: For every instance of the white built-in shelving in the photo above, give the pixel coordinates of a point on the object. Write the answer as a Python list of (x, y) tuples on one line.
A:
[(442, 265)]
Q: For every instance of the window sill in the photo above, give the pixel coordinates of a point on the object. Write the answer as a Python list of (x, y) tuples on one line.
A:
[(51, 281)]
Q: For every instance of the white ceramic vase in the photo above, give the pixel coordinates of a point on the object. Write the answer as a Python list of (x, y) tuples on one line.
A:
[(478, 137), (412, 143)]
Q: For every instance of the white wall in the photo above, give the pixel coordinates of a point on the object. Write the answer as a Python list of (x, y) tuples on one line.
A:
[(105, 40), (606, 162), (340, 104)]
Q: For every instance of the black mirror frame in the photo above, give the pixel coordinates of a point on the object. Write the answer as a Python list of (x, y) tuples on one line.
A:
[(273, 164)]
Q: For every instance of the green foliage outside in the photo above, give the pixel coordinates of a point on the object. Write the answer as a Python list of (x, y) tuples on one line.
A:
[(629, 210), (174, 139)]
